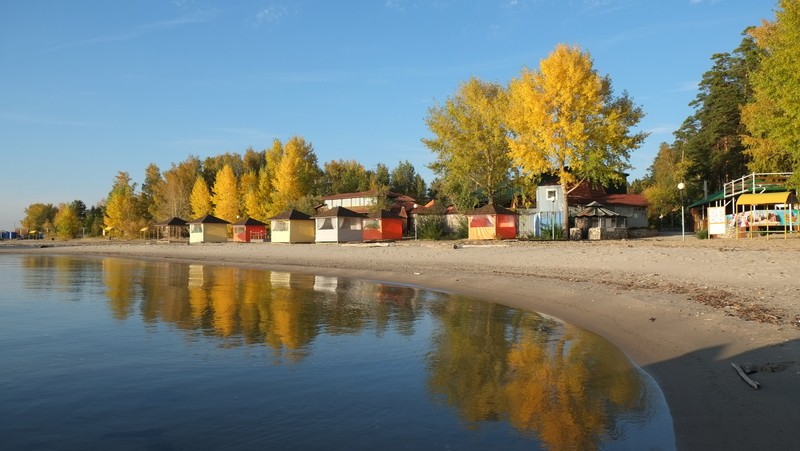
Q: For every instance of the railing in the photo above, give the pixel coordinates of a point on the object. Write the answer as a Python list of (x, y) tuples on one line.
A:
[(755, 183)]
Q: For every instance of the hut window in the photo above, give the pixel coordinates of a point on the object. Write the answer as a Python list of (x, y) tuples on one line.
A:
[(280, 226), (505, 221), (481, 221), (350, 224), (550, 194), (372, 224), (325, 224), (238, 229), (197, 228)]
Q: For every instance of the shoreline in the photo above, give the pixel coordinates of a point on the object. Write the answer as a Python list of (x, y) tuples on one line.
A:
[(682, 311)]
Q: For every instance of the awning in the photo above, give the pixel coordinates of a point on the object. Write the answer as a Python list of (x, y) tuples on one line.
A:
[(711, 198), (785, 197)]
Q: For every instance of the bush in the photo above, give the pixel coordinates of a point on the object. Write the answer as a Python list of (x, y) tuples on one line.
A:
[(549, 233), (431, 227), (462, 231), (702, 234)]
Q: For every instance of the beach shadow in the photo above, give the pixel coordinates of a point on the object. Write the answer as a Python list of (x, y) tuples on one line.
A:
[(714, 408)]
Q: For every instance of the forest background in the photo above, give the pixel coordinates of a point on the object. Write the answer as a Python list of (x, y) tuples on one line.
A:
[(746, 117)]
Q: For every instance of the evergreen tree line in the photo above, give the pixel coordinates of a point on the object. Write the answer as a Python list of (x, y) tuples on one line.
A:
[(746, 118)]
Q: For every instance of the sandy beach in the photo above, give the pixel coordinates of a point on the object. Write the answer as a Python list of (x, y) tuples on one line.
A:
[(682, 310)]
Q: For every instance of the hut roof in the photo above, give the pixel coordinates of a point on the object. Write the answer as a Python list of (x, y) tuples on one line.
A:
[(338, 212), (491, 209), (597, 210), (291, 214), (249, 222), (208, 219)]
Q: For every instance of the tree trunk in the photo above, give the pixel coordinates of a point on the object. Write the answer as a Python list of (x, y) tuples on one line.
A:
[(564, 212)]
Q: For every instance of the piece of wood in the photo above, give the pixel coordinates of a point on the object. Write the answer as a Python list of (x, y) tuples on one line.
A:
[(745, 377)]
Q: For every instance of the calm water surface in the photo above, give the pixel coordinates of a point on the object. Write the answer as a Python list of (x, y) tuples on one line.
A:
[(124, 354)]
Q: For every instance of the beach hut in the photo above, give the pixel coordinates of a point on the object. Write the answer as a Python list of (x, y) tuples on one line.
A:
[(208, 229), (491, 222), (292, 226), (173, 229), (383, 225), (338, 225), (598, 222), (248, 230)]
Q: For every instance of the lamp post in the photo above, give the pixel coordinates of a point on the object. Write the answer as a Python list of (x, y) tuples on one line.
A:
[(681, 186)]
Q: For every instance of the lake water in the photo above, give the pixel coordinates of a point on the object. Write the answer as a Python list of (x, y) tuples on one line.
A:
[(104, 353)]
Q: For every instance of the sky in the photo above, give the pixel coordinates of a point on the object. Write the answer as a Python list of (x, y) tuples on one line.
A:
[(89, 88)]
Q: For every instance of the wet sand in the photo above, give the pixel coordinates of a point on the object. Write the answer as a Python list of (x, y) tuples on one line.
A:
[(682, 310)]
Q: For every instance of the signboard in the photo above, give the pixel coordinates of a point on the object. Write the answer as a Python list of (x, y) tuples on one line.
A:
[(716, 220)]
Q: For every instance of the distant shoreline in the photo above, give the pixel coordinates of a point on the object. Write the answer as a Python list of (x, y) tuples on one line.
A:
[(683, 311)]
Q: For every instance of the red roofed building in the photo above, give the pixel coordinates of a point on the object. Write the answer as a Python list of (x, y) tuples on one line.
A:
[(365, 201)]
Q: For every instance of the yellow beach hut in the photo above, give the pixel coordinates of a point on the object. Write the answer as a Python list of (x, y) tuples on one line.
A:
[(208, 229), (292, 226)]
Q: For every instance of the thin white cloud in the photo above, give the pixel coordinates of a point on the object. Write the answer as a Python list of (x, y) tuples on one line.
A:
[(141, 30), (396, 5), (687, 86), (270, 15), (661, 129)]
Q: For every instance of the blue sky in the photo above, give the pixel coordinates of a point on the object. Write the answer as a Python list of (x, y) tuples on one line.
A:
[(90, 88)]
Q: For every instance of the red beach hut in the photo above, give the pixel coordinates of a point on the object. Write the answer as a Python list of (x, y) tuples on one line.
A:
[(249, 230), (383, 225)]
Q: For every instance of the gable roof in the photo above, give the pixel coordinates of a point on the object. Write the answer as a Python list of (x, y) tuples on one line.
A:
[(291, 214), (340, 212), (249, 222), (208, 219), (491, 209), (627, 200), (597, 210), (369, 193)]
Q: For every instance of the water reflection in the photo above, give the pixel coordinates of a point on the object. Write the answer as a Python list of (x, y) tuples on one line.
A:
[(562, 386)]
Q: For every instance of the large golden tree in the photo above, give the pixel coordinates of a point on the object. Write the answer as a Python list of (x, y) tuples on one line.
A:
[(200, 199), (226, 195), (564, 120)]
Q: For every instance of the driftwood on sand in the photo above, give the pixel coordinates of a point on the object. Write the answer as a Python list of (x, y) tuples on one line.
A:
[(745, 377)]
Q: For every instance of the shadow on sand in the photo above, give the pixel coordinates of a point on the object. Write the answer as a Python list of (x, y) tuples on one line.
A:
[(713, 408)]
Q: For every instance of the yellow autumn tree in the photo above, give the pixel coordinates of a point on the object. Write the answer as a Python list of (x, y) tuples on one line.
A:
[(470, 144), (200, 199), (123, 208), (295, 175), (66, 222), (250, 197), (563, 120), (226, 195)]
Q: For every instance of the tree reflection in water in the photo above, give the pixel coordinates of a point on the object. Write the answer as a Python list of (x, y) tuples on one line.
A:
[(565, 386)]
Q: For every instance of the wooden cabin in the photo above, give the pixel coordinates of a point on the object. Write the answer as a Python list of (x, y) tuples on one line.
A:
[(292, 226), (173, 229), (208, 229), (383, 225), (338, 225), (248, 230), (492, 222)]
